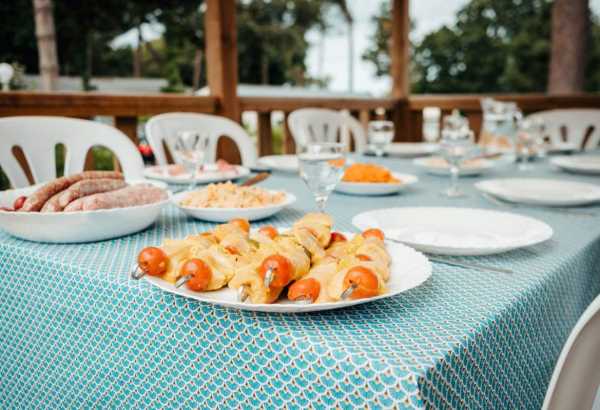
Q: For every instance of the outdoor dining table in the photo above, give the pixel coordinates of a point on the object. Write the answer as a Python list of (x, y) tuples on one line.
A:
[(77, 332)]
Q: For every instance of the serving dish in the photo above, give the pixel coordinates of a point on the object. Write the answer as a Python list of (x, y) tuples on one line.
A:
[(76, 227)]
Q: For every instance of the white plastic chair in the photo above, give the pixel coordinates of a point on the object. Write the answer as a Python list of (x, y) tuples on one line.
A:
[(575, 383), (165, 126), (577, 123), (38, 136), (320, 124)]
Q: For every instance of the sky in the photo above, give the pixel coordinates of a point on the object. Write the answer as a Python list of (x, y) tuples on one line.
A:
[(428, 15)]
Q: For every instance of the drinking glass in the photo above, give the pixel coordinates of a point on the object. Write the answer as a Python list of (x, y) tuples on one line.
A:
[(456, 144), (531, 132), (189, 149), (321, 167), (381, 134), (499, 126)]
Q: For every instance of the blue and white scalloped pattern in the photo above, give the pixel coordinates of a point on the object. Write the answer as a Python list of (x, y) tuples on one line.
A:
[(76, 332)]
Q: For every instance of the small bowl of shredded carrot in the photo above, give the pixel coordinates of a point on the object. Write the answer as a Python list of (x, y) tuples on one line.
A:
[(369, 173), (371, 179)]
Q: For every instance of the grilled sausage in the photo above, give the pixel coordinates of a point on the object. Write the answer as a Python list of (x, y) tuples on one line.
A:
[(134, 195), (36, 201), (80, 189)]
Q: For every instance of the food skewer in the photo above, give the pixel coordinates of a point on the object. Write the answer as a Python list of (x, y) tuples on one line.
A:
[(351, 270)]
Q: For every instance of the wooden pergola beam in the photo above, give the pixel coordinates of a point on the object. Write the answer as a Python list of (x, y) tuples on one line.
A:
[(399, 67), (222, 66)]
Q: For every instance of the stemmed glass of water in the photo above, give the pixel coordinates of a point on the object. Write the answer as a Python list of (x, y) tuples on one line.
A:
[(189, 149), (321, 167), (381, 134), (456, 144)]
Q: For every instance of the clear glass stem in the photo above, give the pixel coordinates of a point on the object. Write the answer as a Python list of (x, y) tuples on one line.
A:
[(321, 202), (454, 178)]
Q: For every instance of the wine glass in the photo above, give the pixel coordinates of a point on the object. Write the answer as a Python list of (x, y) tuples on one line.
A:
[(189, 149), (321, 167), (456, 144), (381, 134)]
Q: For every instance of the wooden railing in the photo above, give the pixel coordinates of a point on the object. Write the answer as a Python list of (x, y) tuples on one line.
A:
[(362, 108), (470, 105), (127, 109)]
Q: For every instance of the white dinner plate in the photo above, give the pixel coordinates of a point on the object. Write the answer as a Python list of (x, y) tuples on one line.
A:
[(206, 177), (284, 163), (76, 227), (562, 148), (582, 164), (456, 231), (412, 149), (409, 269), (226, 214), (430, 165), (541, 191), (370, 188)]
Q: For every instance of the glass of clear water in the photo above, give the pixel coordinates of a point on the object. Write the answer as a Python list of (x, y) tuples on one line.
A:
[(531, 131), (456, 145), (321, 167), (381, 134), (189, 149)]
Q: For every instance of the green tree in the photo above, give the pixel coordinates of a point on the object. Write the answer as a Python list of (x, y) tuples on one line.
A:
[(494, 46)]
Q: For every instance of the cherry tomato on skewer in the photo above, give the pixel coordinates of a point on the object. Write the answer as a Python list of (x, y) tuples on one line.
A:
[(281, 269), (269, 231), (374, 233), (153, 261), (307, 289), (200, 273), (242, 223), (364, 281)]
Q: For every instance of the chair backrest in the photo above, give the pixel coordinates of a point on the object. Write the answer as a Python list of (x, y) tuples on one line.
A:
[(166, 126), (38, 136), (575, 383), (320, 124), (577, 123)]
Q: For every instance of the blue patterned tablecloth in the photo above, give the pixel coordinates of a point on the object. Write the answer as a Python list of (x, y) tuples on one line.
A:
[(77, 332)]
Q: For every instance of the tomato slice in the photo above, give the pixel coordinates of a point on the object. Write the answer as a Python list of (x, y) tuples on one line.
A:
[(337, 237), (374, 233), (308, 289), (269, 231), (364, 281), (281, 268), (200, 273), (232, 250), (18, 204), (242, 223), (153, 261)]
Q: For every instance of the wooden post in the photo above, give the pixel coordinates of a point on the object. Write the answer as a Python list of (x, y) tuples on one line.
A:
[(265, 134), (222, 66), (46, 42), (570, 29), (399, 68)]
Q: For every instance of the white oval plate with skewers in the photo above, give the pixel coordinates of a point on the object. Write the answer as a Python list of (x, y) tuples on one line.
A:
[(227, 214), (377, 188), (409, 269)]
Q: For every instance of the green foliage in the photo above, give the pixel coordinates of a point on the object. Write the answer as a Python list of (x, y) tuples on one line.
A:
[(271, 38), (494, 46)]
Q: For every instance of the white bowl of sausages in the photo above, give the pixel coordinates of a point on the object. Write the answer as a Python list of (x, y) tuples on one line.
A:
[(86, 207)]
